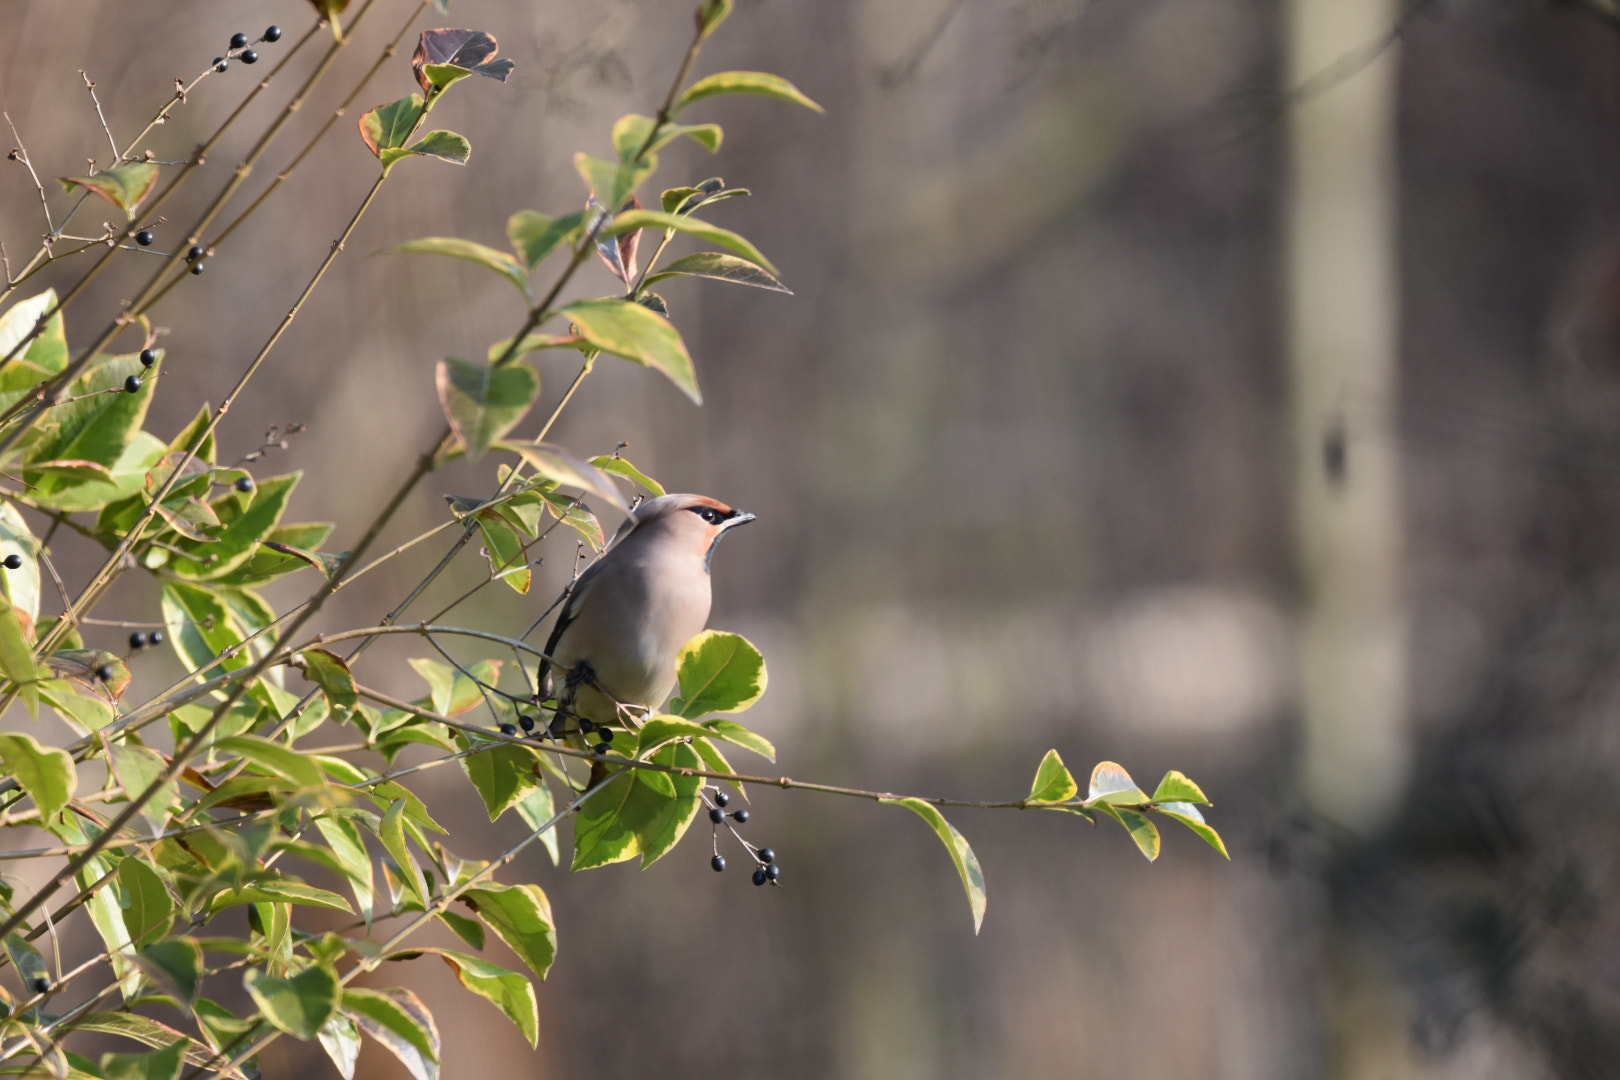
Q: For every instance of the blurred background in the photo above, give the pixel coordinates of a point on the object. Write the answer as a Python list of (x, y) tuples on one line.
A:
[(1220, 385)]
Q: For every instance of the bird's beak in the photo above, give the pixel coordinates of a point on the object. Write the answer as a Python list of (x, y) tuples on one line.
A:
[(739, 517)]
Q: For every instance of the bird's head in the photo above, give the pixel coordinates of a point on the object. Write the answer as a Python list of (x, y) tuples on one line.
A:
[(695, 522)]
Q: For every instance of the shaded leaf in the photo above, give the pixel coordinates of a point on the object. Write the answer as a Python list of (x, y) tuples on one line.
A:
[(470, 50), (17, 657), (178, 962), (331, 673), (629, 330), (535, 235), (618, 466), (489, 258), (967, 864), (507, 558), (164, 1064), (298, 769), (444, 145), (340, 1038), (484, 403), (743, 82), (1189, 815), (720, 267), (551, 462), (148, 908), (611, 182), (138, 768), (732, 732), (630, 135)]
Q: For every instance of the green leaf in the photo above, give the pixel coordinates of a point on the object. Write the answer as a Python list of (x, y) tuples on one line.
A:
[(1053, 782), (148, 908), (535, 235), (96, 427), (162, 1064), (1177, 788), (387, 127), (1110, 783), (743, 82), (619, 466), (122, 480), (484, 403), (711, 13), (537, 810), (631, 220), (27, 962), (469, 930), (340, 1038), (1143, 831), (280, 889), (627, 329), (343, 837), (21, 584), (44, 772), (638, 812), (612, 182), (331, 673), (967, 864), (719, 672), (48, 351), (398, 1019), (506, 990), (300, 1005), (630, 135), (200, 629), (732, 732), (1189, 815), (504, 774), (720, 267), (444, 145), (242, 532), (554, 463), (122, 185), (137, 769), (662, 729), (520, 915), (469, 251), (277, 759), (17, 661), (505, 547), (178, 961), (392, 832)]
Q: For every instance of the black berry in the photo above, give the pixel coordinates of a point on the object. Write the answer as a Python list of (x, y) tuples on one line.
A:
[(718, 862), (508, 729), (145, 238), (196, 252), (526, 723), (766, 855), (606, 735), (197, 269), (137, 640), (42, 985), (759, 876), (244, 484), (13, 562), (773, 872), (721, 798), (741, 817), (105, 673), (220, 63), (148, 357), (585, 726), (717, 815), (238, 40), (155, 637), (273, 34), (132, 384), (600, 748), (250, 57)]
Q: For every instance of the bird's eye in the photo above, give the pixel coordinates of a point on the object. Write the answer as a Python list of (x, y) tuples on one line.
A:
[(711, 515)]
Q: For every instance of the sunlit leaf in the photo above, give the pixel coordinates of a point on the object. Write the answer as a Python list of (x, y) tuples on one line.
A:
[(299, 1005), (1053, 781), (46, 773), (554, 463), (400, 1022), (629, 330), (719, 672), (743, 82), (122, 185), (520, 915), (684, 223), (469, 251), (387, 127), (967, 864), (484, 403), (508, 991)]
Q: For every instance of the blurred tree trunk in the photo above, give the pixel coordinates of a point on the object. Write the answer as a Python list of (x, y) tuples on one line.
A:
[(1342, 341)]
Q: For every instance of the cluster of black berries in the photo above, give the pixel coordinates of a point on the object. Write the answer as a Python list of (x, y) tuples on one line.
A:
[(766, 870), (247, 56), (140, 639)]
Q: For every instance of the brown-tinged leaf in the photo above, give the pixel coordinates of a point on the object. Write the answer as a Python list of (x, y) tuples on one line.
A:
[(472, 51), (122, 185)]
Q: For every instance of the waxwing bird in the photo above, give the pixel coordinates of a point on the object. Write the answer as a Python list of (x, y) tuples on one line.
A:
[(615, 645)]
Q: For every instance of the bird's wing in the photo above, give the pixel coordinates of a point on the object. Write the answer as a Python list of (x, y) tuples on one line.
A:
[(576, 597)]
